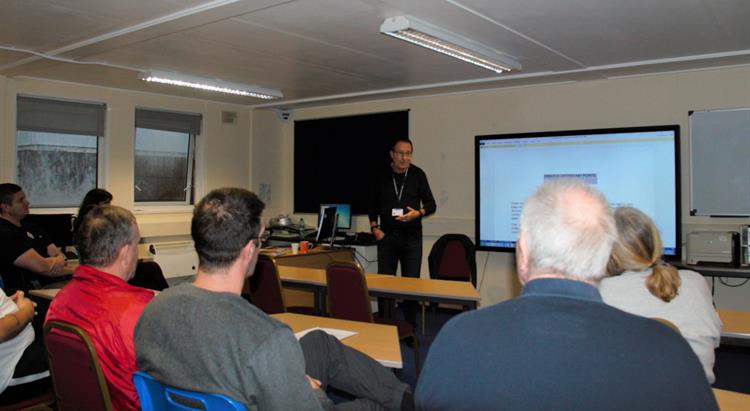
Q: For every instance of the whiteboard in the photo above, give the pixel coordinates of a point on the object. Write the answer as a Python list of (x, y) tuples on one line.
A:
[(720, 162)]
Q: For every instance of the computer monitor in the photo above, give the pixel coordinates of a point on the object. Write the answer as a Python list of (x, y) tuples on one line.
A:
[(344, 211), (327, 226), (59, 227)]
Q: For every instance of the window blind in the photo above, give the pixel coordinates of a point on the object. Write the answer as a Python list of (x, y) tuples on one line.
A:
[(168, 121), (57, 116)]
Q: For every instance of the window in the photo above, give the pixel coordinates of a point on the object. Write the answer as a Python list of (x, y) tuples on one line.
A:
[(165, 156), (57, 149)]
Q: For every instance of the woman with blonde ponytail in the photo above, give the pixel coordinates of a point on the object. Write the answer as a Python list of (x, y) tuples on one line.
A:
[(641, 283)]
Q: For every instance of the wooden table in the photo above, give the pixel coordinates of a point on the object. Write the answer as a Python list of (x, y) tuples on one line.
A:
[(376, 340), (731, 400), (73, 263), (416, 289), (47, 293), (735, 328), (316, 258)]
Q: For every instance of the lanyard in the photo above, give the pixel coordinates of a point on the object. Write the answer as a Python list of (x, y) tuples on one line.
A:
[(401, 191)]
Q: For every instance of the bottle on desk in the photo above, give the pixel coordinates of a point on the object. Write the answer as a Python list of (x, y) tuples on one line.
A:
[(301, 228)]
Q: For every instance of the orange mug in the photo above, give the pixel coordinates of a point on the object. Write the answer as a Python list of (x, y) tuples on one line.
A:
[(304, 247)]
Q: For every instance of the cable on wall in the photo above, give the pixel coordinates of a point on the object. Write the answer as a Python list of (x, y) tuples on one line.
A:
[(484, 269), (725, 281), (66, 60)]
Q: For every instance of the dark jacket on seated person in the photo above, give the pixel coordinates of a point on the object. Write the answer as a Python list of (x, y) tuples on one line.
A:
[(16, 241), (558, 346)]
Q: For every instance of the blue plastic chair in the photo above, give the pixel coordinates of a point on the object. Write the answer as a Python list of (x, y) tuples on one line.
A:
[(155, 396)]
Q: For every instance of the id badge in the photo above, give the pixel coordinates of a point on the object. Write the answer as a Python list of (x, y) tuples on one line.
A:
[(397, 212)]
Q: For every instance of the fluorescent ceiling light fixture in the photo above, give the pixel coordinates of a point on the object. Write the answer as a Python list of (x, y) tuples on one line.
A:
[(201, 83), (437, 39)]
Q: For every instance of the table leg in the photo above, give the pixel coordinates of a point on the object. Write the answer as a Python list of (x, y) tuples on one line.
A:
[(323, 302), (318, 298), (423, 316)]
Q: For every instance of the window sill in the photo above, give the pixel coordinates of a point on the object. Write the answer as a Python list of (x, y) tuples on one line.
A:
[(166, 209), (53, 210)]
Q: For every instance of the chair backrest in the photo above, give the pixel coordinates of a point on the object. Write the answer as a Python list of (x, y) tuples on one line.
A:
[(155, 396), (453, 257), (265, 287), (148, 274), (77, 377), (348, 297)]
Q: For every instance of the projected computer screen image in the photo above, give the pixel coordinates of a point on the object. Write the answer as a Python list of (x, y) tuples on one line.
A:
[(344, 212), (636, 167)]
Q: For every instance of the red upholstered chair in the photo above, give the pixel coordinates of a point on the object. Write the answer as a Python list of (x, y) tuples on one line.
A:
[(452, 257), (349, 299), (264, 289), (348, 296), (77, 377)]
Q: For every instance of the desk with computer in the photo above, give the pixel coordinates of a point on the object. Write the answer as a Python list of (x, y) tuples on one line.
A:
[(334, 221), (332, 231)]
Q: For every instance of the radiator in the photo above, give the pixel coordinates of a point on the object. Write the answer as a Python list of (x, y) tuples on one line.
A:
[(176, 258)]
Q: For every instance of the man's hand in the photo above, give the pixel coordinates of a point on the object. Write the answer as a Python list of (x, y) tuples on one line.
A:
[(315, 384), (378, 233), (57, 265), (26, 307), (411, 215), (13, 323)]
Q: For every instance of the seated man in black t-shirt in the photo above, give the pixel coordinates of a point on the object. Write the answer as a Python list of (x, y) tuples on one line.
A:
[(28, 258)]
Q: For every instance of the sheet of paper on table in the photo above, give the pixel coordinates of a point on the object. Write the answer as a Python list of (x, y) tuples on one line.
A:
[(340, 334)]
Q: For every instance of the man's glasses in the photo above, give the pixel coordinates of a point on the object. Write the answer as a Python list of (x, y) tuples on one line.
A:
[(402, 154), (261, 238)]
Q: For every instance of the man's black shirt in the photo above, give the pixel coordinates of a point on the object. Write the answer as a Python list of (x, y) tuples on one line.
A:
[(416, 194), (16, 241)]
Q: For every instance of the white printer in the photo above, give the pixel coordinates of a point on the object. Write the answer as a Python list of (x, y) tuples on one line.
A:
[(713, 247)]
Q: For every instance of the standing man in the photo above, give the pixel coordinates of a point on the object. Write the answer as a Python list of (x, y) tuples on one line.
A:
[(558, 345), (28, 258), (401, 197)]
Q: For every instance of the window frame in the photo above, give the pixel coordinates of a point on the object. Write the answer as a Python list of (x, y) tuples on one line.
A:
[(195, 170), (101, 149)]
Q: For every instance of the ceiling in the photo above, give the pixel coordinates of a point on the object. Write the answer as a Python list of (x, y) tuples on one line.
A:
[(331, 50)]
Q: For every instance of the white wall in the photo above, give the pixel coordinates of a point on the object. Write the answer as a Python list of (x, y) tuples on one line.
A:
[(443, 128), (223, 150), (259, 149)]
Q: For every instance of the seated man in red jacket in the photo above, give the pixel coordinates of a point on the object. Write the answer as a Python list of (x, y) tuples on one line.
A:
[(100, 300)]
